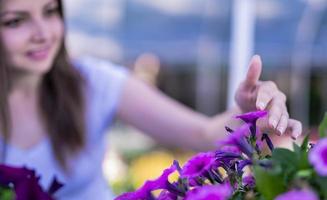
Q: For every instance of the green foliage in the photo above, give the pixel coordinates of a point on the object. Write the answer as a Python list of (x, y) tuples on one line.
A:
[(301, 153), (323, 127), (6, 194), (237, 196), (287, 168), (285, 157), (322, 184), (269, 182)]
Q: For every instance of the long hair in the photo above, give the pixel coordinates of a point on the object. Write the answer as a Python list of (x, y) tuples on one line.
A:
[(61, 103)]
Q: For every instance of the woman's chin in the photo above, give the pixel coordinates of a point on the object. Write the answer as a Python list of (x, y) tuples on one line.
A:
[(39, 68)]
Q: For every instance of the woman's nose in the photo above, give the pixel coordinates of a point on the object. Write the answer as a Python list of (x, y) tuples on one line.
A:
[(40, 31)]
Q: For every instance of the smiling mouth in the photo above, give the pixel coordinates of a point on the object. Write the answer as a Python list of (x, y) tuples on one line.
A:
[(38, 55)]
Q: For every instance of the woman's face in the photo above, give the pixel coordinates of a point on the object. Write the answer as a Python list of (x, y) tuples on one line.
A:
[(31, 33)]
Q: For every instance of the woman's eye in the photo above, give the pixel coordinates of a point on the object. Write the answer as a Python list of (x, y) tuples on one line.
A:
[(13, 23), (52, 11)]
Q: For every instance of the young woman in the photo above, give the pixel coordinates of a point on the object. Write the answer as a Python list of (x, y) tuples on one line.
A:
[(53, 111)]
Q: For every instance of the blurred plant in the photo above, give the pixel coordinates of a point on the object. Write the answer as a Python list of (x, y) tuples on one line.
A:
[(149, 166), (143, 166), (247, 172)]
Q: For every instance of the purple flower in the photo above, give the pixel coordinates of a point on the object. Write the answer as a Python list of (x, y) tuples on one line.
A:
[(241, 164), (226, 159), (14, 174), (166, 195), (25, 183), (55, 186), (30, 189), (198, 166), (259, 145), (229, 130), (268, 141), (231, 149), (318, 157), (177, 166), (217, 192), (145, 191), (248, 181), (238, 139), (225, 156), (305, 194), (251, 119)]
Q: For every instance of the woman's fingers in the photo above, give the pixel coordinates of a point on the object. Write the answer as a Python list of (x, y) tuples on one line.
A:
[(275, 113), (294, 128), (291, 126), (253, 93), (283, 123), (274, 101), (254, 72), (266, 91)]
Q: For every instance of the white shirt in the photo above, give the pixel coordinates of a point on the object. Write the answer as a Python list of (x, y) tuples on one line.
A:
[(104, 84)]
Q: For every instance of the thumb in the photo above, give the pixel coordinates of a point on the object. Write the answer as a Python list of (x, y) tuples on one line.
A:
[(254, 71)]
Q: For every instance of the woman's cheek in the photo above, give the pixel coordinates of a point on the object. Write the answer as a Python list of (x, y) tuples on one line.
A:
[(15, 39)]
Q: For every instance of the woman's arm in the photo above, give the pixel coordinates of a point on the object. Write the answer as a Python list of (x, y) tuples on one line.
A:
[(165, 119), (174, 124)]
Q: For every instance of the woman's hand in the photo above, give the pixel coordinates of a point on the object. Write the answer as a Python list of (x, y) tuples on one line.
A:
[(253, 94)]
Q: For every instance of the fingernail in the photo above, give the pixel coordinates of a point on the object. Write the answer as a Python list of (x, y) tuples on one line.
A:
[(280, 130), (256, 56), (279, 133), (261, 105)]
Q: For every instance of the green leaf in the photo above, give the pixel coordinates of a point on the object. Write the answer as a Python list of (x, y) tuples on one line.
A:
[(288, 161), (305, 173), (322, 182), (323, 127), (285, 157), (303, 161), (237, 196), (269, 182), (296, 148), (6, 194), (301, 154), (304, 146)]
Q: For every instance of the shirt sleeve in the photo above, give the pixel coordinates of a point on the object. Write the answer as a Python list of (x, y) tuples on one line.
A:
[(104, 84)]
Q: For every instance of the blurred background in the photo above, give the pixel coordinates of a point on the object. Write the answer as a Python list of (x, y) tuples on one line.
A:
[(197, 52)]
